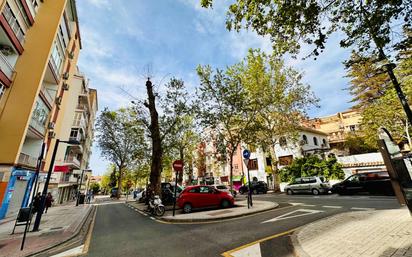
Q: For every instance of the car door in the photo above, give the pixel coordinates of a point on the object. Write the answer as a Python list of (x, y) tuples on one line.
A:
[(295, 186), (305, 186), (205, 196), (353, 184)]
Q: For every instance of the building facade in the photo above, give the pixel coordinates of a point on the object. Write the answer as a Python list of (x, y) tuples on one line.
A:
[(39, 46), (338, 126)]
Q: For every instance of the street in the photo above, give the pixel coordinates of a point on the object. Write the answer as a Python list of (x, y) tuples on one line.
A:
[(121, 231)]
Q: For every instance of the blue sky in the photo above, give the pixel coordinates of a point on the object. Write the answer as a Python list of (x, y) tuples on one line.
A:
[(122, 38)]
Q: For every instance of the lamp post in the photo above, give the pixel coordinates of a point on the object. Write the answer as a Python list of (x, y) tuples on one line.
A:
[(46, 184), (78, 188)]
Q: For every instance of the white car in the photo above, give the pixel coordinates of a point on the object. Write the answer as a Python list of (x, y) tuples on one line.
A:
[(225, 188), (140, 195)]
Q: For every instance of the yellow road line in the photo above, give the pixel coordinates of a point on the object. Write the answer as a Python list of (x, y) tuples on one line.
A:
[(89, 234), (229, 253)]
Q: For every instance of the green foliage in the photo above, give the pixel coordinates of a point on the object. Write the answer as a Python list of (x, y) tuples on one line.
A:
[(289, 23), (95, 187), (312, 166), (357, 144)]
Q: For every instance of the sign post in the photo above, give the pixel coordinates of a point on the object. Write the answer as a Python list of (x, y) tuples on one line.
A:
[(178, 167), (246, 156)]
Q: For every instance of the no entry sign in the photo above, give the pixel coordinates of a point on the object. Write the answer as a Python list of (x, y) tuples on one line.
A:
[(178, 165)]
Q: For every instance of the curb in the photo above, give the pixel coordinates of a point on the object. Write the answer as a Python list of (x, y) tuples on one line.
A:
[(203, 220), (297, 248), (75, 234)]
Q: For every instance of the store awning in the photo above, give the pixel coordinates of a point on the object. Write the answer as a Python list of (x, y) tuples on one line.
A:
[(61, 168)]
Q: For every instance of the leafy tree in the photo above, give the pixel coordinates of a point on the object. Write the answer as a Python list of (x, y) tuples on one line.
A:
[(95, 187), (224, 110), (282, 101), (312, 166), (368, 26), (357, 143), (120, 139)]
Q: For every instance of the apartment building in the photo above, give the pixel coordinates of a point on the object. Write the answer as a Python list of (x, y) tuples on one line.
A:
[(39, 47), (338, 126), (76, 123)]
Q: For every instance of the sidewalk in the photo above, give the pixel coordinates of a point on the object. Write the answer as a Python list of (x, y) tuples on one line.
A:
[(241, 209), (58, 225), (365, 233)]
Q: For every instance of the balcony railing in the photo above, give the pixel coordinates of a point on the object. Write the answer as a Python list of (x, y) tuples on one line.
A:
[(34, 123), (28, 160), (14, 24), (73, 160), (5, 66), (50, 98)]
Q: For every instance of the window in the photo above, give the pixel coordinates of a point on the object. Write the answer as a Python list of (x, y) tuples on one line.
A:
[(236, 166), (352, 127), (2, 90), (74, 132), (40, 112), (324, 142), (283, 142), (285, 160), (56, 58), (253, 164), (205, 190), (305, 139), (315, 141)]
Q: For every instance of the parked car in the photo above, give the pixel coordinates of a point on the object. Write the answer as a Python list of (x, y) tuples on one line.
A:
[(199, 197), (168, 190), (255, 186), (226, 189), (314, 185), (368, 182)]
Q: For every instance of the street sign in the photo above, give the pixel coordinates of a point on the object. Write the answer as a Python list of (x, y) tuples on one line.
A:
[(246, 154), (178, 165), (246, 162)]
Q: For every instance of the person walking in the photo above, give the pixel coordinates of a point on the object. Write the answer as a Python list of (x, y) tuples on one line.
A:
[(49, 200), (36, 203)]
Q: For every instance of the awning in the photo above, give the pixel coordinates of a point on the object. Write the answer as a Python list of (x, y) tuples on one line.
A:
[(61, 168)]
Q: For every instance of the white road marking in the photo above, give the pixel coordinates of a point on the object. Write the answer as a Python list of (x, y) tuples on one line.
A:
[(308, 205), (362, 209), (250, 251), (332, 206), (72, 252), (293, 214), (152, 218), (295, 204)]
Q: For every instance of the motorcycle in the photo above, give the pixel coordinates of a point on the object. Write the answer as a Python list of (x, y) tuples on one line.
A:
[(156, 207)]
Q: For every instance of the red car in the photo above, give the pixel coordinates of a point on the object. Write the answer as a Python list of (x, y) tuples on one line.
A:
[(194, 197)]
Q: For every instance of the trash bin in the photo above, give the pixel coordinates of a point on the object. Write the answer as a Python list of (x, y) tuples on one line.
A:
[(81, 198)]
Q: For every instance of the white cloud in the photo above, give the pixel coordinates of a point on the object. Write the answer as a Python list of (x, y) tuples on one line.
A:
[(100, 3)]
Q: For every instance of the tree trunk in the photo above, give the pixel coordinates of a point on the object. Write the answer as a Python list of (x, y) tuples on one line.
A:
[(180, 176), (119, 182), (156, 165), (274, 162), (407, 135), (231, 170)]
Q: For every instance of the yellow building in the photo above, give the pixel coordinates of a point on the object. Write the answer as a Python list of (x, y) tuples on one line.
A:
[(338, 126), (39, 46)]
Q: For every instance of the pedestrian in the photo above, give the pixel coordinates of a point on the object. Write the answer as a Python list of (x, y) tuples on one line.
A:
[(89, 196), (36, 203), (49, 200)]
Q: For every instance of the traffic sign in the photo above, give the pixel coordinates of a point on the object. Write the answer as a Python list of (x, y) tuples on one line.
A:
[(178, 165), (246, 154)]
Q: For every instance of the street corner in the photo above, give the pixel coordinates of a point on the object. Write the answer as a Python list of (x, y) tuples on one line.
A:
[(271, 246), (239, 210)]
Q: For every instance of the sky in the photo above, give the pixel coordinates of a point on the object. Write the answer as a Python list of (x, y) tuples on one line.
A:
[(123, 41)]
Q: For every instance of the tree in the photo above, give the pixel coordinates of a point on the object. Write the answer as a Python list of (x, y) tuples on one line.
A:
[(224, 110), (312, 166), (95, 187), (121, 140), (173, 104), (282, 101), (359, 143), (368, 26)]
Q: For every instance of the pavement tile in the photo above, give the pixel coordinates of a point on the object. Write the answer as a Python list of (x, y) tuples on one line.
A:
[(362, 233)]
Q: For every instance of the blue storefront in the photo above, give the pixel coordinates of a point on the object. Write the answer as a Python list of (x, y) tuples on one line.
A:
[(17, 193)]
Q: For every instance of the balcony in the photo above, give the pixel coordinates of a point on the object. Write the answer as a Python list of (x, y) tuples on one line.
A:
[(34, 123), (27, 160), (82, 107), (14, 24), (73, 179), (73, 162), (6, 67)]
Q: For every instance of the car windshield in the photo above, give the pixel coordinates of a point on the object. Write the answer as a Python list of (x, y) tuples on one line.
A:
[(322, 179), (221, 187)]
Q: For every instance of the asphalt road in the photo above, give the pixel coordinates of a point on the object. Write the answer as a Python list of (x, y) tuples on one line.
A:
[(120, 231)]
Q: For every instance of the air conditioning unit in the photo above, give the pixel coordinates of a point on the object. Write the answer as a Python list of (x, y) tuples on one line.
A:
[(66, 76), (51, 134), (51, 125), (59, 100), (66, 86)]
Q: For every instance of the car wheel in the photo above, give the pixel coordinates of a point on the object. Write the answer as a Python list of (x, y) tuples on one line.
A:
[(255, 192), (225, 204), (187, 208), (315, 191), (289, 192)]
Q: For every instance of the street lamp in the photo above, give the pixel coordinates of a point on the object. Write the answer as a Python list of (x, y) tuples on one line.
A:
[(46, 184)]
